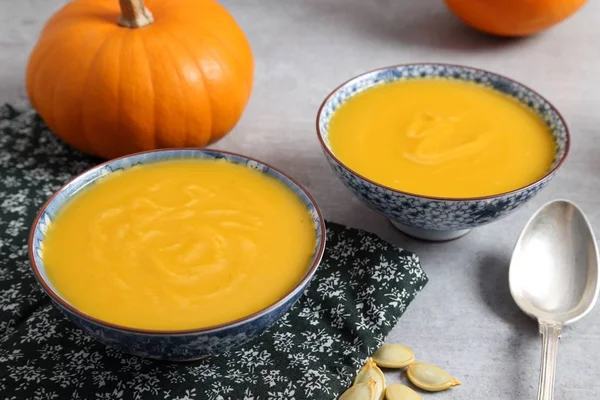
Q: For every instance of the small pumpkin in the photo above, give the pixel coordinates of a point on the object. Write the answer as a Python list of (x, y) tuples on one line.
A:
[(513, 17), (113, 77)]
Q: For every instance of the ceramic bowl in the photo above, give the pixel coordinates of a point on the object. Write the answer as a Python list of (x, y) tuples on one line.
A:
[(171, 345), (438, 218)]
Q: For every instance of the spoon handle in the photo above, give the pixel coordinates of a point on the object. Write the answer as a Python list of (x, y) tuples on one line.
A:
[(550, 337)]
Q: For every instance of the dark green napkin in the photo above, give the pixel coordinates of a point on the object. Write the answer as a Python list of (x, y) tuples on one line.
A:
[(358, 294)]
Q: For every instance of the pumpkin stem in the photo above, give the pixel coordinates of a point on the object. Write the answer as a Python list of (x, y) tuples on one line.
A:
[(134, 14)]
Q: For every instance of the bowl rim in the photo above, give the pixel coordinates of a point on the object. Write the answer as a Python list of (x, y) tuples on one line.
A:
[(318, 255), (441, 198)]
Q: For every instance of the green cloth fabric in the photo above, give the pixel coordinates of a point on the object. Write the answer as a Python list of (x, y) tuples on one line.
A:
[(359, 292)]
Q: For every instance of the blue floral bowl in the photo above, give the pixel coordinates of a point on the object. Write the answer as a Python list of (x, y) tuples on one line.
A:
[(437, 218), (171, 345)]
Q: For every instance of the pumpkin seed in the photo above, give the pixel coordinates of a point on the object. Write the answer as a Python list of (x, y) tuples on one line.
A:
[(394, 356), (371, 371), (430, 377), (401, 392), (361, 391)]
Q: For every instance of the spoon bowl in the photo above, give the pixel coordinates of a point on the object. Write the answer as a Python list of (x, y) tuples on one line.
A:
[(553, 276), (554, 268)]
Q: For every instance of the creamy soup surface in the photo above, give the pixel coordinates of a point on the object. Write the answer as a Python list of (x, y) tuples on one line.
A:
[(442, 138), (179, 245)]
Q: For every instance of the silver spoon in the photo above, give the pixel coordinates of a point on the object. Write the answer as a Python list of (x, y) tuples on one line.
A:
[(553, 277)]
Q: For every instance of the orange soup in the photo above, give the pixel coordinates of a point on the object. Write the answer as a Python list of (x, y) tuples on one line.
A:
[(442, 138), (179, 245)]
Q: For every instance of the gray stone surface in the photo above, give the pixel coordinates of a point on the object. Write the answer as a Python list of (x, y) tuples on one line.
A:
[(465, 319)]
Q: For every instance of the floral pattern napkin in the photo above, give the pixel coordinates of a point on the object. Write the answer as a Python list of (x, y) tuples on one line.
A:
[(359, 292)]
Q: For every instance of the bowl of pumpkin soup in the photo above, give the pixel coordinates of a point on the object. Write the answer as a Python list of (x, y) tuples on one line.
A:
[(177, 254), (440, 149)]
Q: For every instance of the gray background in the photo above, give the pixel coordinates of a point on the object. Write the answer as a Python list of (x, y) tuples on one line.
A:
[(465, 319)]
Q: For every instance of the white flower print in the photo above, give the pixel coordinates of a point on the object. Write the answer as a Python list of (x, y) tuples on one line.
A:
[(241, 376), (144, 385), (115, 394), (50, 352), (9, 354), (41, 328), (218, 390), (17, 202), (319, 342), (8, 298), (287, 394), (27, 372), (332, 286), (252, 358), (296, 360), (398, 298), (372, 318), (338, 315), (272, 377), (174, 376), (15, 227), (315, 380), (102, 378), (42, 394), (203, 372), (312, 311), (63, 377), (283, 341), (189, 395)]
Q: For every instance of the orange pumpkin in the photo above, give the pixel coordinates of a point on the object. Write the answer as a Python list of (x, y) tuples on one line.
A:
[(513, 17), (114, 77)]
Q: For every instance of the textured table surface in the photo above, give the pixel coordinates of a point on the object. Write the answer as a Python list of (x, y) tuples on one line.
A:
[(465, 319)]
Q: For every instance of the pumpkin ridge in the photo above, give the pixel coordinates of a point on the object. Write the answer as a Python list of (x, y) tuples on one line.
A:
[(57, 83), (120, 87), (237, 58), (86, 81), (182, 82), (39, 75), (225, 46), (167, 50), (205, 31), (35, 71), (211, 106), (153, 90), (128, 119), (48, 47)]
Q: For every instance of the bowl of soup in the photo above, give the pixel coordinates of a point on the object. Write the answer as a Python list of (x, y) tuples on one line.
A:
[(177, 254), (440, 149)]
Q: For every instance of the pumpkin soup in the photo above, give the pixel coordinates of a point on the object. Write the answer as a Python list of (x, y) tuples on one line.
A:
[(442, 138), (179, 245)]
